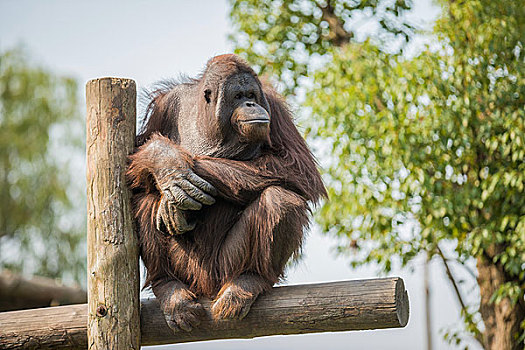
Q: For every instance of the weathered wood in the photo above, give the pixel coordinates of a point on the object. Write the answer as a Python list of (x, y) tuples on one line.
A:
[(17, 292), (58, 327), (326, 307), (113, 270)]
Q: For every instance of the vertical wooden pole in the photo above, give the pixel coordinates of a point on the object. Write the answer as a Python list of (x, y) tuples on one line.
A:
[(113, 267), (428, 308)]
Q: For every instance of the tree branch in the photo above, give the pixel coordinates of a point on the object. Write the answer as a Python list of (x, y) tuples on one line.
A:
[(451, 278), (465, 267), (338, 34), (476, 335)]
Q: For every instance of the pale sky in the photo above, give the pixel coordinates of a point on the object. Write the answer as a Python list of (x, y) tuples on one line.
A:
[(151, 40)]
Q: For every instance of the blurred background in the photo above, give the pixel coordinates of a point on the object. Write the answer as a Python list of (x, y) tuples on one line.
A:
[(414, 109)]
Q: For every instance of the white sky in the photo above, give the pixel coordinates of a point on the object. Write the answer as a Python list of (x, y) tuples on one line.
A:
[(151, 40)]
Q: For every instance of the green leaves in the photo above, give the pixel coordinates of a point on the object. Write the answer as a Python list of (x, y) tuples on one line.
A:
[(39, 123), (288, 39), (414, 151)]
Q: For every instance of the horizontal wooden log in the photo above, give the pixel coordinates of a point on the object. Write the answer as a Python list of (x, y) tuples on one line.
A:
[(17, 292), (312, 308)]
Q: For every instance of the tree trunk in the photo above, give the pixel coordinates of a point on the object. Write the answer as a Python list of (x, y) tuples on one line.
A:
[(502, 320)]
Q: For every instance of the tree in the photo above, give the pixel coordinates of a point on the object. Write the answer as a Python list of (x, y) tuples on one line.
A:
[(286, 39), (427, 152), (40, 133)]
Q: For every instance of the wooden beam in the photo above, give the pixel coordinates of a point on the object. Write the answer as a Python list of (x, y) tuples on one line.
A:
[(312, 308), (113, 254), (18, 292), (58, 327)]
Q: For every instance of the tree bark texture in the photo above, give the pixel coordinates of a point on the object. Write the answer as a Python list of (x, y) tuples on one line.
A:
[(312, 308), (502, 320), (113, 255)]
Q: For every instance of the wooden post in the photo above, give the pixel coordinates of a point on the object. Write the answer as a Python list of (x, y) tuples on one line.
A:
[(325, 307), (113, 267)]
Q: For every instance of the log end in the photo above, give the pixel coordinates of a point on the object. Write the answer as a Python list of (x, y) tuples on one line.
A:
[(123, 82), (402, 303)]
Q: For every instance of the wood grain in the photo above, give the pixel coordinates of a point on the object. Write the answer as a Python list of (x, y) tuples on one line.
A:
[(113, 268), (312, 308)]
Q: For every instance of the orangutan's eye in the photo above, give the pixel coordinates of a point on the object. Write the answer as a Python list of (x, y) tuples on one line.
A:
[(207, 95)]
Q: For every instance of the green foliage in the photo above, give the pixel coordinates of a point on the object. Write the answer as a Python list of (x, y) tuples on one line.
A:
[(40, 130), (287, 39), (427, 151)]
